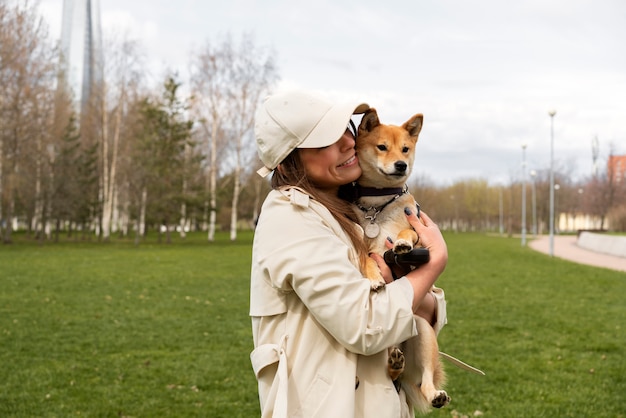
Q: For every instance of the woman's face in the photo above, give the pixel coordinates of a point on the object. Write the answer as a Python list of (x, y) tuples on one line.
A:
[(334, 165)]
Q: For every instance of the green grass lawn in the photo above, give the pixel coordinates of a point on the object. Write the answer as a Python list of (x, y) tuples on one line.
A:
[(111, 330)]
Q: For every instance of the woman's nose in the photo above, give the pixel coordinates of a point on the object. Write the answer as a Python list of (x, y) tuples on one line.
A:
[(347, 140)]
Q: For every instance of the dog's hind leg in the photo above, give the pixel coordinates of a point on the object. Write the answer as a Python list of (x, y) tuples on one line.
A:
[(423, 367), (437, 398), (395, 362), (432, 372)]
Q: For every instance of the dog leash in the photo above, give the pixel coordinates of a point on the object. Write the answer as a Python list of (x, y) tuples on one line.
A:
[(461, 365)]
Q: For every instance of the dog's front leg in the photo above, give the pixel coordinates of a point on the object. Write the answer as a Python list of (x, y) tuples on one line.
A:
[(372, 272), (405, 241)]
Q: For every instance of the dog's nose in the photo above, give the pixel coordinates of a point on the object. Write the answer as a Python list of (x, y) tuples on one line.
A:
[(400, 166)]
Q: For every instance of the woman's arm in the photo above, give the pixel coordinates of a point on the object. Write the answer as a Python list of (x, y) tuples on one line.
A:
[(427, 309), (423, 277)]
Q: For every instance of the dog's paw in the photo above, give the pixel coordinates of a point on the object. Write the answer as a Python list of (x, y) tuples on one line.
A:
[(377, 284), (441, 399), (395, 362), (402, 246)]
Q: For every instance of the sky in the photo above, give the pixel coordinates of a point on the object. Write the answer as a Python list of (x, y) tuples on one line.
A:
[(485, 73)]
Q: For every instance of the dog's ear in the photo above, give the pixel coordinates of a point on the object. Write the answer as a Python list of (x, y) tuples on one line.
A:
[(414, 125), (369, 121)]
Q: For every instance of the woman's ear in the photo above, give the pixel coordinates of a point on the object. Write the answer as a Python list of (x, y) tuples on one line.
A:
[(279, 168)]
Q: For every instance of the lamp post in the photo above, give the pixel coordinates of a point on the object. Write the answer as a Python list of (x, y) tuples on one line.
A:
[(579, 225), (533, 173), (523, 195), (552, 113), (501, 208), (557, 228), (47, 227)]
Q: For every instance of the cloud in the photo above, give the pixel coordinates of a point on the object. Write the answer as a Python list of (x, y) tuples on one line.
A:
[(485, 73)]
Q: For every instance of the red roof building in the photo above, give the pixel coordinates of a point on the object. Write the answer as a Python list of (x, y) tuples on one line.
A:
[(616, 168)]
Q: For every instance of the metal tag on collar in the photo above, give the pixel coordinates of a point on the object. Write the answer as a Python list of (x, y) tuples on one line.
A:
[(372, 230)]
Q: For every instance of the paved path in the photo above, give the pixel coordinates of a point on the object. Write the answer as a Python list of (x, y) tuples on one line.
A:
[(565, 247)]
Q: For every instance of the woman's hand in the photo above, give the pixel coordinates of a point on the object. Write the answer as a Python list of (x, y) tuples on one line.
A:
[(423, 277), (429, 236)]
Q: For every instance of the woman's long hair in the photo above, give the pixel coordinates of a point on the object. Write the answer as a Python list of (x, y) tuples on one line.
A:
[(292, 173)]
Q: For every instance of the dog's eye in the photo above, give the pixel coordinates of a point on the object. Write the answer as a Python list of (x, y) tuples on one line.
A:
[(405, 149), (382, 147)]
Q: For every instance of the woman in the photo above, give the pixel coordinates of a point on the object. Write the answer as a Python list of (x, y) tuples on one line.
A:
[(320, 333)]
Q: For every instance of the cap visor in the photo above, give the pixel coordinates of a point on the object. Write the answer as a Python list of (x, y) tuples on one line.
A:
[(333, 125)]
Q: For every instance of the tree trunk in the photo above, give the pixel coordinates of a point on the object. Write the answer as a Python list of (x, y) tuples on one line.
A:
[(111, 192), (36, 224), (235, 204), (106, 211), (183, 206), (12, 190), (9, 219), (142, 215), (213, 181), (183, 219), (207, 183), (236, 186), (125, 215), (115, 213), (1, 185)]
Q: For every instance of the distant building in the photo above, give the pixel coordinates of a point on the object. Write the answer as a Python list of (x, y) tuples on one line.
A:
[(616, 168), (81, 49)]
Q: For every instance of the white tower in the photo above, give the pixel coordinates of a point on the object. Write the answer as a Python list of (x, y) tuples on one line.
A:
[(81, 49), (595, 150)]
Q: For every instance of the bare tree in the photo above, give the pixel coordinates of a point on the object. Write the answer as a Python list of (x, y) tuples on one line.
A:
[(254, 74), (228, 82), (123, 73), (602, 191), (26, 77)]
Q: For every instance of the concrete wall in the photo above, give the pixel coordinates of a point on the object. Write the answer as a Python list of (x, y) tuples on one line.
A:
[(602, 243)]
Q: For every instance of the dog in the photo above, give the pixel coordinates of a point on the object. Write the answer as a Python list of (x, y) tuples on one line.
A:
[(386, 154)]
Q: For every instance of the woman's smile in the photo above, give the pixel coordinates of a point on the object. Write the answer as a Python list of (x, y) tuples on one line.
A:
[(334, 165), (352, 160)]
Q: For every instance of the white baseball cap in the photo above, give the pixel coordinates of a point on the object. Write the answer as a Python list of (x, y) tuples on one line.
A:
[(296, 119)]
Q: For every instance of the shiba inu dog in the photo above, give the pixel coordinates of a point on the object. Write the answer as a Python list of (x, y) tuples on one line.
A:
[(386, 154)]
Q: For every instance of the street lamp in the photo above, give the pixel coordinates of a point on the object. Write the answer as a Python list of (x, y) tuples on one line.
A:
[(523, 194), (557, 187), (501, 207), (533, 173), (579, 225), (552, 113)]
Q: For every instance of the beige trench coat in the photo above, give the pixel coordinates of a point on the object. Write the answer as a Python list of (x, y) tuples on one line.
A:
[(317, 327)]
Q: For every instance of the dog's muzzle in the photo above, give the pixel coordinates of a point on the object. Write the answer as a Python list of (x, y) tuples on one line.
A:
[(400, 166)]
